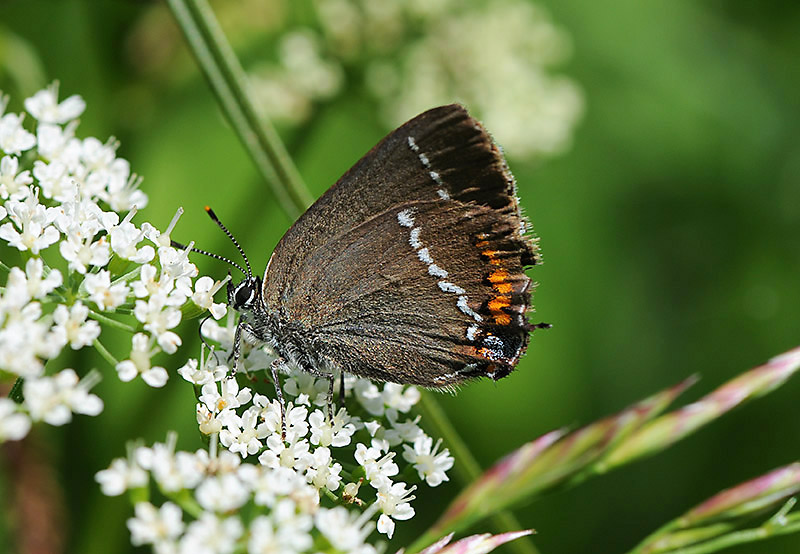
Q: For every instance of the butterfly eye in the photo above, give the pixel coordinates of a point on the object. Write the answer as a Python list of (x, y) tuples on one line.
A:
[(243, 296)]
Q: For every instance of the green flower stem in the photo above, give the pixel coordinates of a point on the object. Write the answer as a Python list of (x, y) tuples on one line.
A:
[(111, 322), (466, 470), (128, 277), (228, 81), (109, 357)]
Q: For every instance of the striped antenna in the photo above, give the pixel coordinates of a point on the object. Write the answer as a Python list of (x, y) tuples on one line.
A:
[(179, 246), (216, 220)]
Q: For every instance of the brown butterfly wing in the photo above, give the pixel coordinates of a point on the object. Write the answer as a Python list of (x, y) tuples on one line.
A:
[(410, 268)]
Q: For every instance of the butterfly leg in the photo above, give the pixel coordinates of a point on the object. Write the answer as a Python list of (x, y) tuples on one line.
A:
[(331, 377), (237, 347), (341, 389), (274, 370), (331, 380)]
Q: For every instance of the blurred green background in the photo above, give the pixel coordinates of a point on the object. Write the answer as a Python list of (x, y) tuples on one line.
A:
[(669, 221)]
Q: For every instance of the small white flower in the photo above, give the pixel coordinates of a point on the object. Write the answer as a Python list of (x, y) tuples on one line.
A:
[(45, 107), (289, 453), (22, 287), (14, 139), (428, 461), (211, 535), (102, 292), (25, 338), (120, 477), (158, 317), (209, 422), (160, 527), (139, 363), (124, 238), (172, 472), (78, 331), (345, 531), (203, 297), (321, 472), (263, 538), (399, 397), (293, 529), (379, 469), (222, 493), (269, 485), (296, 419), (157, 237), (57, 143), (407, 431), (54, 399), (81, 250), (37, 283), (226, 395), (13, 183), (97, 156), (122, 189), (394, 502), (305, 383), (55, 180), (14, 424), (163, 287), (324, 434), (84, 213), (207, 373), (31, 225), (175, 263), (369, 396), (242, 434)]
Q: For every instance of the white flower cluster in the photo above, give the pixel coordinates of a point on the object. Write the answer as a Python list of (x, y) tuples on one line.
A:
[(497, 57), (306, 485), (57, 189)]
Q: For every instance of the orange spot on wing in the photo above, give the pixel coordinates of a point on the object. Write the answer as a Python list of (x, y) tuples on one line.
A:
[(502, 319), (498, 276), (497, 303), (503, 288), (492, 256)]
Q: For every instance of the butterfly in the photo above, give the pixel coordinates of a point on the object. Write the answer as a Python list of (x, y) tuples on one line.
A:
[(410, 269)]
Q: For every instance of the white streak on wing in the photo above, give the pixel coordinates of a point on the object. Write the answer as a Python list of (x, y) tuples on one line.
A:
[(450, 287), (406, 218), (437, 271), (424, 256), (413, 239), (463, 305)]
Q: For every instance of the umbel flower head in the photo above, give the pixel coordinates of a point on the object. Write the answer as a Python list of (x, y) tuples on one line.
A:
[(70, 207)]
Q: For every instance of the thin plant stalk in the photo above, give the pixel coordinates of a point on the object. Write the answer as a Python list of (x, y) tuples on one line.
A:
[(228, 81)]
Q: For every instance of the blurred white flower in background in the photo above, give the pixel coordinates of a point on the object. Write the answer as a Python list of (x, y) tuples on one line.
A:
[(499, 58)]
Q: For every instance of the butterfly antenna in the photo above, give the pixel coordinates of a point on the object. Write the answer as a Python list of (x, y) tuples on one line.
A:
[(181, 246), (216, 220)]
